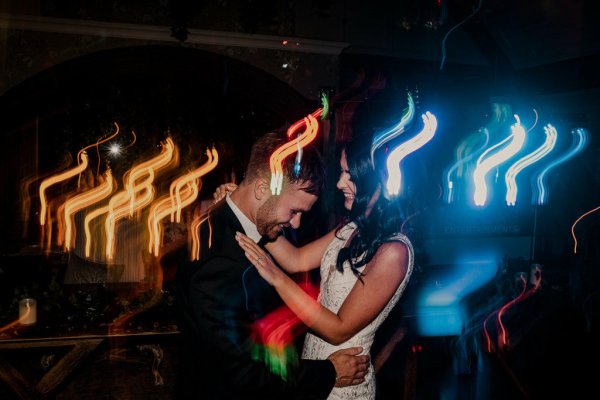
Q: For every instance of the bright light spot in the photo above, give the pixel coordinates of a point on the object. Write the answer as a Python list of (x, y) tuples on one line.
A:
[(114, 150), (284, 65)]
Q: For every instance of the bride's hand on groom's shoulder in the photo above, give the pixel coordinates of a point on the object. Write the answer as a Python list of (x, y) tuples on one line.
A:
[(222, 191), (260, 259)]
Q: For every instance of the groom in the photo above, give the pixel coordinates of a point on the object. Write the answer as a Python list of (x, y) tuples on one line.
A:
[(221, 295)]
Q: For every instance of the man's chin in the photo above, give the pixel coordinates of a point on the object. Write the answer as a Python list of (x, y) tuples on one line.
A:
[(274, 233)]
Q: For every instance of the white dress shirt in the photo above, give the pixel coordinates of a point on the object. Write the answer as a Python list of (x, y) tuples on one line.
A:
[(249, 227)]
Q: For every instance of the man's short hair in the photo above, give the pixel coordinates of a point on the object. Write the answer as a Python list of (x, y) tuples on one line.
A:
[(311, 176)]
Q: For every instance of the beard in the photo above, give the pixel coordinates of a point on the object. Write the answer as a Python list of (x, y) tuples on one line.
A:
[(266, 219)]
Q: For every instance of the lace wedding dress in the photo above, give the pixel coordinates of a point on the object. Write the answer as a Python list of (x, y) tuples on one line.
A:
[(335, 287)]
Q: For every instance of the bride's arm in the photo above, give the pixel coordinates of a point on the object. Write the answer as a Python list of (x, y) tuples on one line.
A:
[(299, 259), (381, 277), (291, 258)]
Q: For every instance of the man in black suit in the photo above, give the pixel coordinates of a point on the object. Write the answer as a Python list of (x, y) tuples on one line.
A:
[(221, 295)]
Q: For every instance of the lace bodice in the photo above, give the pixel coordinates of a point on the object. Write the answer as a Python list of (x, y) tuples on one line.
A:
[(335, 287)]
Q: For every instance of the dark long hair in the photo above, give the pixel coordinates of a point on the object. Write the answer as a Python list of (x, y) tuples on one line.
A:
[(386, 216)]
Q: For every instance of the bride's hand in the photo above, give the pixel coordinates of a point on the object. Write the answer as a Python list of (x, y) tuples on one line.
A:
[(222, 191), (260, 259)]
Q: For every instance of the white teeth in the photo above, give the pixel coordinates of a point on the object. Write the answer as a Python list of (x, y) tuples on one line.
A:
[(348, 196)]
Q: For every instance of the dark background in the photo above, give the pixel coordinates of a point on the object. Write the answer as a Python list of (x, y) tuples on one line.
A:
[(62, 91)]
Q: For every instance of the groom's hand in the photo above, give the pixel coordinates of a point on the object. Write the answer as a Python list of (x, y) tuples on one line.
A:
[(350, 367)]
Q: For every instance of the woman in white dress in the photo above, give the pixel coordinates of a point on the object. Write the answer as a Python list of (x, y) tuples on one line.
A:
[(365, 265)]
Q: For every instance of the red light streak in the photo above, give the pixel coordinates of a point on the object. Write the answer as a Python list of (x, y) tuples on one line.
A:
[(292, 146), (505, 307)]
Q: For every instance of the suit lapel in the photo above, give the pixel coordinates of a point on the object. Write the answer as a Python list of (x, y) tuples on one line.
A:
[(260, 297)]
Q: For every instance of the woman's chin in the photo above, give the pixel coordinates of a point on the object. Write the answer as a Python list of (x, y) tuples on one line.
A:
[(348, 205)]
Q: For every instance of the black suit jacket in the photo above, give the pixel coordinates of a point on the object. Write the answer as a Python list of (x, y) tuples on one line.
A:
[(220, 297)]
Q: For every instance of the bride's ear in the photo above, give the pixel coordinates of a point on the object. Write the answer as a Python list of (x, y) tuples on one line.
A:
[(261, 189)]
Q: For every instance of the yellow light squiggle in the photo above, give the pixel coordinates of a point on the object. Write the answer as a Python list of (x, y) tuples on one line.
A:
[(46, 183), (175, 190), (82, 201), (183, 192), (139, 192), (86, 224), (312, 126), (164, 207)]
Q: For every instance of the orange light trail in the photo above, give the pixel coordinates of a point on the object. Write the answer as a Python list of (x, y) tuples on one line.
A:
[(182, 192), (298, 124), (505, 307), (88, 235), (164, 207), (195, 230), (487, 334), (82, 201), (18, 321), (159, 209), (176, 186), (46, 183), (98, 143), (290, 147), (575, 223), (60, 225), (138, 192), (133, 141)]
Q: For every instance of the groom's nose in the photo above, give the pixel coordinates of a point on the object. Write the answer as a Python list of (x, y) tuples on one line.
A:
[(295, 221)]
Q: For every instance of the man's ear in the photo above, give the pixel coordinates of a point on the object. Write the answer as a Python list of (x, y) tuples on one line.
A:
[(261, 189)]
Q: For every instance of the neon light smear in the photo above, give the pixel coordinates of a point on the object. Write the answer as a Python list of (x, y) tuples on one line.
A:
[(301, 141), (488, 338), (18, 321), (195, 229), (522, 296), (46, 183), (579, 143), (394, 180), (484, 165), (82, 201), (98, 143), (176, 187), (164, 207), (383, 137), (288, 148), (138, 193), (511, 175), (505, 307), (576, 222), (86, 224), (462, 159), (182, 192)]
